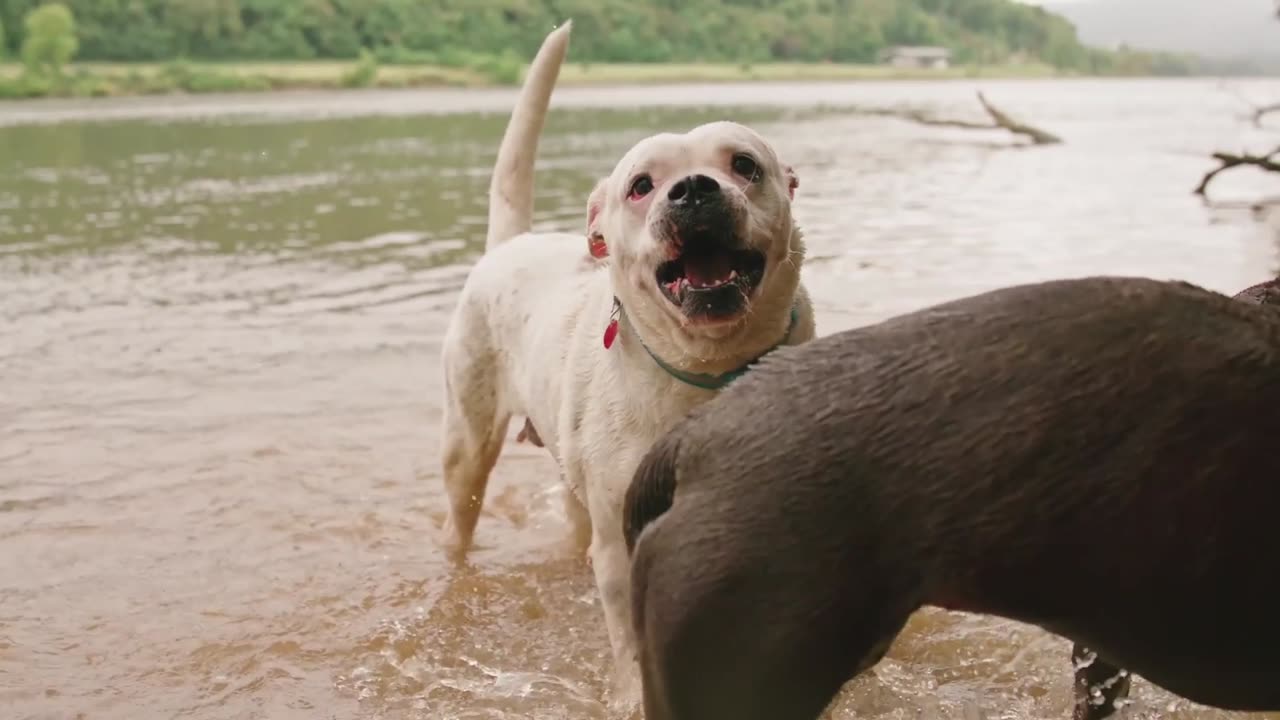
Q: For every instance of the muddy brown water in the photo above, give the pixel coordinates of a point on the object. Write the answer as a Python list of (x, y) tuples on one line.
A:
[(219, 328)]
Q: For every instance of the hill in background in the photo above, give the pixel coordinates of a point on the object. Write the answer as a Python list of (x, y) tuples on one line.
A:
[(1244, 31), (447, 32)]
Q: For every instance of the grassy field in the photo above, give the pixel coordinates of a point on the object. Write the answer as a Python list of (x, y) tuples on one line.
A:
[(108, 79)]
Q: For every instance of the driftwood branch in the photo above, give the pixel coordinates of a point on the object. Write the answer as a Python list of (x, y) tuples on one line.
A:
[(1261, 111), (1038, 136), (999, 121), (1257, 113), (1269, 162)]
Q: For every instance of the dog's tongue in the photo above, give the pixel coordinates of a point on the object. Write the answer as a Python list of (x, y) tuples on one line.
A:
[(708, 270)]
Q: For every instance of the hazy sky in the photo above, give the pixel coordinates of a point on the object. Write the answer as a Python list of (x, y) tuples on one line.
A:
[(1224, 28)]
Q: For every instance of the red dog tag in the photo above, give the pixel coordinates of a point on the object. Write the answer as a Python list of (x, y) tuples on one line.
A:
[(611, 330), (610, 333)]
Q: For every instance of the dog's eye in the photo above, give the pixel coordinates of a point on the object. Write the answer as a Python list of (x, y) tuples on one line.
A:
[(642, 186), (745, 166)]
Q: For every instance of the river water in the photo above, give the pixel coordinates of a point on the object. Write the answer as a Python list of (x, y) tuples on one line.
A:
[(219, 326)]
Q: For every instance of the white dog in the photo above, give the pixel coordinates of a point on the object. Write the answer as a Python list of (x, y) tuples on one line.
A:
[(700, 276)]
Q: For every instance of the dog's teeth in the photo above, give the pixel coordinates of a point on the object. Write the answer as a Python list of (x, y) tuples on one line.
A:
[(708, 284), (733, 275)]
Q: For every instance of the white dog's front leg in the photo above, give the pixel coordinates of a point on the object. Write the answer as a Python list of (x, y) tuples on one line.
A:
[(579, 522), (612, 569)]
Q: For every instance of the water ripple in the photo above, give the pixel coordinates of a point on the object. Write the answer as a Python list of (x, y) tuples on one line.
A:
[(221, 319)]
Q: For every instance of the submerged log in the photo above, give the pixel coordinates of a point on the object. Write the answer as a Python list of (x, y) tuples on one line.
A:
[(1000, 120), (1038, 136)]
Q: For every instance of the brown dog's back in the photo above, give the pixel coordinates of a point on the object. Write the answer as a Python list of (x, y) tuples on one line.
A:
[(1095, 456)]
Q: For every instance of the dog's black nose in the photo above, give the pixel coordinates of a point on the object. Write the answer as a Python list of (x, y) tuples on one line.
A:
[(693, 190)]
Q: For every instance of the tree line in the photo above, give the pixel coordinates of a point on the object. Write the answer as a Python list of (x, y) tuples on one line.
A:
[(445, 31)]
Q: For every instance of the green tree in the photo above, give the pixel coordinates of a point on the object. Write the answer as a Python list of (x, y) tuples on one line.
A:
[(912, 26), (468, 32), (202, 27), (50, 41), (857, 39)]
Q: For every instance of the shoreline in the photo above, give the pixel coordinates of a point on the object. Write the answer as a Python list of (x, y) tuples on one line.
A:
[(829, 94), (88, 80)]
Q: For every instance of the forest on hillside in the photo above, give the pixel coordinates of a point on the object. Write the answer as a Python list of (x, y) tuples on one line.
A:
[(438, 31)]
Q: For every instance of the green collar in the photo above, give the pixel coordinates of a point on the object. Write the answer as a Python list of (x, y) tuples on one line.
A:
[(715, 382)]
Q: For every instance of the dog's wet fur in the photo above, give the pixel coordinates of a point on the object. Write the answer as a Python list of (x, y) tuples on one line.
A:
[(1099, 457)]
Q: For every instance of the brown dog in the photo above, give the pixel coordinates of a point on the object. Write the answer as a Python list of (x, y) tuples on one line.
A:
[(1097, 457)]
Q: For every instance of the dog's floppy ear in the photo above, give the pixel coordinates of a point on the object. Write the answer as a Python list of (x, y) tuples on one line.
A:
[(793, 180), (595, 239)]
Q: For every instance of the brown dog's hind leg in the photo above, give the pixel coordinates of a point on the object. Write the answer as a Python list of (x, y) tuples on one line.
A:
[(1098, 685), (530, 433)]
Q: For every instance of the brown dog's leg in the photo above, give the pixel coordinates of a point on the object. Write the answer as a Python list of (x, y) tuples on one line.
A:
[(529, 433), (1098, 685)]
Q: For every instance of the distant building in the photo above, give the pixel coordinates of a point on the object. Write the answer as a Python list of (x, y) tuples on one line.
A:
[(903, 56)]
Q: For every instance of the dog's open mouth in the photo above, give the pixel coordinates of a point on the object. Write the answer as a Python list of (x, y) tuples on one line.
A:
[(709, 279)]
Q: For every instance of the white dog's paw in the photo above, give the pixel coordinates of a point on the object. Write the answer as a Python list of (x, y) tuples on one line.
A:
[(626, 692), (452, 540)]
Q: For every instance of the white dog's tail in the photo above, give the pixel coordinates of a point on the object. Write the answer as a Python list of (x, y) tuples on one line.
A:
[(511, 189)]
